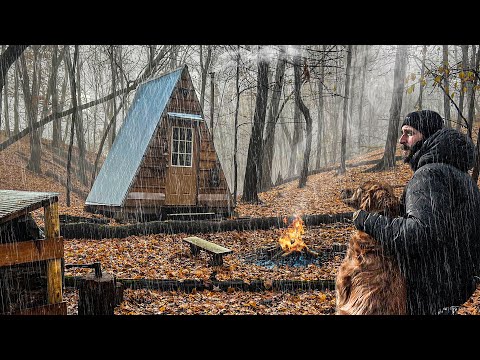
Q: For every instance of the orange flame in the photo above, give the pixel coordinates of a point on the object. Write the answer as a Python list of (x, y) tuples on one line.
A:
[(291, 240)]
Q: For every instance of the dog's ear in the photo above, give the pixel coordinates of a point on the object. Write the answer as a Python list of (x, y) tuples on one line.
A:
[(355, 198), (345, 193)]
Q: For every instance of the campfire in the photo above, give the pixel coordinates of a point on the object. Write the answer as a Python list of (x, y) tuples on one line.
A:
[(290, 249), (291, 240)]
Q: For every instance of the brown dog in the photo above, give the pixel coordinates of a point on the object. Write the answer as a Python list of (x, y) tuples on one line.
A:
[(368, 282)]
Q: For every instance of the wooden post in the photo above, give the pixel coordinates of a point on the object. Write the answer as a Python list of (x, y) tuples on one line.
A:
[(54, 266)]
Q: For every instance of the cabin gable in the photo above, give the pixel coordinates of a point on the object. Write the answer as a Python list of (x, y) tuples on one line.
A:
[(179, 167)]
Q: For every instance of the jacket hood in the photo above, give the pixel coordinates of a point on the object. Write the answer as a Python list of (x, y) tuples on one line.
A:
[(448, 146)]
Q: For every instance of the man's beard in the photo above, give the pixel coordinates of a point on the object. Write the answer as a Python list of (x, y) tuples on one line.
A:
[(411, 150)]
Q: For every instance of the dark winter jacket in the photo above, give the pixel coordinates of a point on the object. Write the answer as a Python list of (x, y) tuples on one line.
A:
[(437, 241)]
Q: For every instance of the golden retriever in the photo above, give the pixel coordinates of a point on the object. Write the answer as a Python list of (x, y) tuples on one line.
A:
[(369, 282)]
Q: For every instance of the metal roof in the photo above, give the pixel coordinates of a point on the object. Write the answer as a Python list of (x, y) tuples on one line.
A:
[(14, 203), (124, 158)]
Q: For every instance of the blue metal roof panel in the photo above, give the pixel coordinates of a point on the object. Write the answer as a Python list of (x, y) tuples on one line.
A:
[(122, 162)]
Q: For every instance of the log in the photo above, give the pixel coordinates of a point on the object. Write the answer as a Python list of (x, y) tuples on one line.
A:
[(102, 231), (97, 295), (188, 285), (65, 219)]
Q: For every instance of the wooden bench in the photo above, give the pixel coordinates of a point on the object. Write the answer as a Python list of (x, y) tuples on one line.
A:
[(197, 244)]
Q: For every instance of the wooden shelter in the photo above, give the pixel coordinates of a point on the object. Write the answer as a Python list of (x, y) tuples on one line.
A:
[(31, 260), (163, 159)]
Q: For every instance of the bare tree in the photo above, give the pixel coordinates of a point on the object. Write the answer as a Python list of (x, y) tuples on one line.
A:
[(462, 85), (204, 67), (235, 144), (16, 115), (360, 103), (8, 57), (73, 89), (446, 97), (268, 142), (308, 119), (320, 118), (422, 78), (343, 151), (388, 159), (253, 168), (474, 81), (296, 140), (30, 95)]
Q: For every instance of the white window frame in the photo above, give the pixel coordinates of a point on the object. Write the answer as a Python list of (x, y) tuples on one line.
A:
[(178, 152)]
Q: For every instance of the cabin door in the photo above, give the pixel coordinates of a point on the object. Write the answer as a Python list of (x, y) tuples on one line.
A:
[(181, 186)]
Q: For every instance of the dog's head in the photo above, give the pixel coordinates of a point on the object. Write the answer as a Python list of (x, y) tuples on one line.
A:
[(372, 196)]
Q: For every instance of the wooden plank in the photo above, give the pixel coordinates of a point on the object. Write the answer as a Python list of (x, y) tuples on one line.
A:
[(213, 197), (145, 196), (208, 156), (207, 245), (28, 251), (49, 309)]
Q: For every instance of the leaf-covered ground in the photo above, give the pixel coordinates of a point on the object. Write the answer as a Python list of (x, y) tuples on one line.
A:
[(166, 256)]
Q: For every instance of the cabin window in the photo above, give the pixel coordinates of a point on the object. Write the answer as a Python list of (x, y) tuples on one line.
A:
[(182, 145)]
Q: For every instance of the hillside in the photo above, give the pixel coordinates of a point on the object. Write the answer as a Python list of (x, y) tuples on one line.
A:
[(165, 256)]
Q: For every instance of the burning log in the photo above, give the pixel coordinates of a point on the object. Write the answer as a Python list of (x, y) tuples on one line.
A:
[(291, 241)]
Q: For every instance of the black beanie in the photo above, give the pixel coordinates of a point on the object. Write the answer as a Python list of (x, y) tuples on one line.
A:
[(425, 121)]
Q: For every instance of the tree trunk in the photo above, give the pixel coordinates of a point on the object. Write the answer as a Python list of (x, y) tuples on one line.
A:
[(63, 139), (204, 67), (422, 78), (31, 105), (388, 159), (295, 143), (56, 124), (113, 103), (269, 143), (16, 115), (6, 108), (253, 167), (308, 120), (73, 91), (212, 101), (79, 129), (471, 115), (351, 101), (462, 86), (471, 102), (446, 98), (235, 144), (343, 150), (320, 118), (360, 104)]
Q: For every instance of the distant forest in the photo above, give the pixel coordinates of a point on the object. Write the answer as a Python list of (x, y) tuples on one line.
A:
[(275, 112)]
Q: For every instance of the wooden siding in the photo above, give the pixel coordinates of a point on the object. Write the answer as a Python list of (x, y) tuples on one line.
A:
[(150, 180)]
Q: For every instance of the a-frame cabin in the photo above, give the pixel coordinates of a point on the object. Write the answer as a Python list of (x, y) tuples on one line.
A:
[(163, 159)]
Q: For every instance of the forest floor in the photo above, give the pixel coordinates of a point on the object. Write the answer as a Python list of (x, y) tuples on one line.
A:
[(166, 256)]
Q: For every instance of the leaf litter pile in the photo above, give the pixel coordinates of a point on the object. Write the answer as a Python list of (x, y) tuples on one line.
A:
[(166, 256)]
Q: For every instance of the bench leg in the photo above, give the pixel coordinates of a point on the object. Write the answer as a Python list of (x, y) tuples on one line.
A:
[(194, 250), (217, 259)]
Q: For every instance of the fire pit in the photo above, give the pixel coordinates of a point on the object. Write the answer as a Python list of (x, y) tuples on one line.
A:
[(290, 250)]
